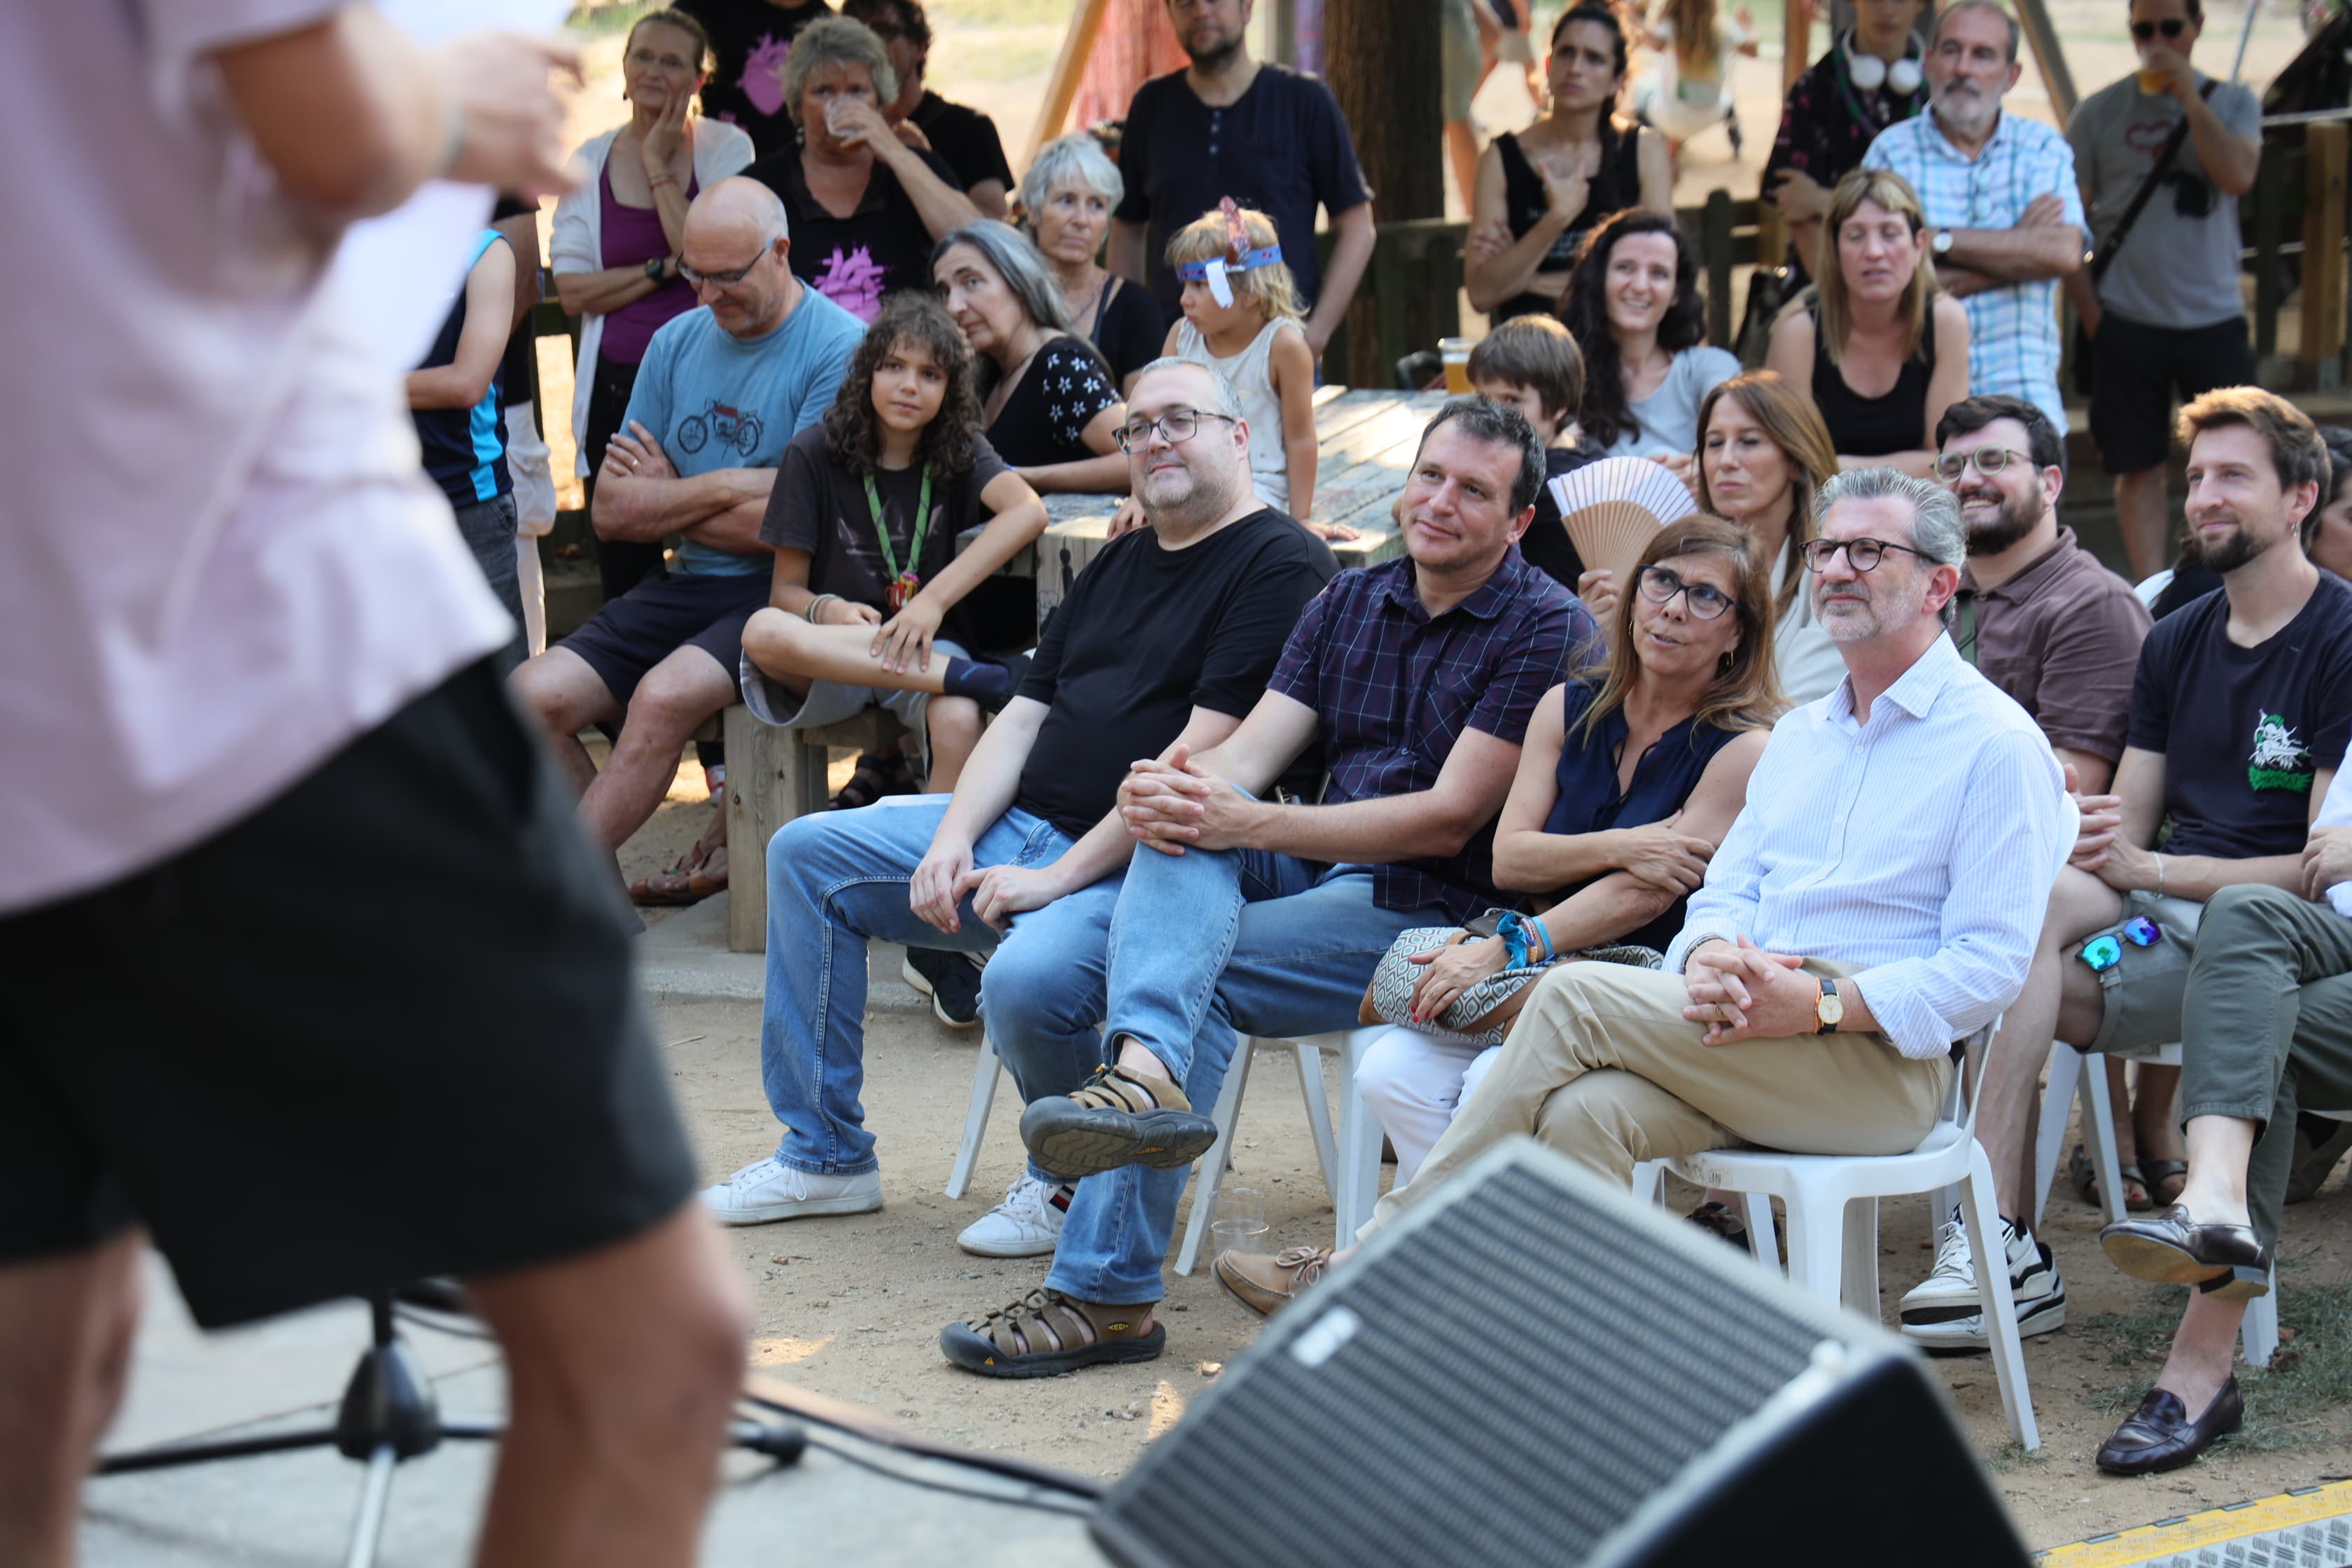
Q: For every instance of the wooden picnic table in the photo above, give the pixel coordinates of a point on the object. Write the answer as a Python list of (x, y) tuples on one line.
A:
[(1365, 441)]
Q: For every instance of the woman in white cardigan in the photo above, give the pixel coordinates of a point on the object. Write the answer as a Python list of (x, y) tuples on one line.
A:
[(617, 232)]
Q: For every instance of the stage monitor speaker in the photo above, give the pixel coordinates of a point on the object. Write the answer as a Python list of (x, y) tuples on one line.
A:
[(1531, 1368)]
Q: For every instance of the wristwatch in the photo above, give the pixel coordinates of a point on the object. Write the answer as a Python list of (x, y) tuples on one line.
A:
[(1830, 1010), (655, 267), (1942, 244)]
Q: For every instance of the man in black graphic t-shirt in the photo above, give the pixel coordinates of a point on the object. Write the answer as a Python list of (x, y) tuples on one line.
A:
[(1167, 639)]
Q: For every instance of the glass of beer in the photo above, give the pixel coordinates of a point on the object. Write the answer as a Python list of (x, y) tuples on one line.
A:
[(1456, 352)]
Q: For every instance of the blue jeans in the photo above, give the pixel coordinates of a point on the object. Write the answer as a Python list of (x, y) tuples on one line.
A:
[(838, 879), (1202, 945)]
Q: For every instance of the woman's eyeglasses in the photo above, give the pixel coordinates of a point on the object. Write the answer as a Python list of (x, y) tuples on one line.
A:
[(1660, 587), (2172, 27), (1864, 554)]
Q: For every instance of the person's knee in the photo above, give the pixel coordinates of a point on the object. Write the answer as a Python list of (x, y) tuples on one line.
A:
[(670, 704), (539, 689), (773, 639), (1031, 1006), (2246, 913), (954, 725), (1386, 1075)]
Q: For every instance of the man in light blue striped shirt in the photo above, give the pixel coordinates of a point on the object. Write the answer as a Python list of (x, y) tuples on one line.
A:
[(1878, 899), (2000, 193)]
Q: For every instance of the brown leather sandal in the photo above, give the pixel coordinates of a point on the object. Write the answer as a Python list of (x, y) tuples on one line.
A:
[(1046, 1334)]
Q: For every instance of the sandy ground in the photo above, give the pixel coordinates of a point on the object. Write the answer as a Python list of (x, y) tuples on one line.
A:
[(852, 1307)]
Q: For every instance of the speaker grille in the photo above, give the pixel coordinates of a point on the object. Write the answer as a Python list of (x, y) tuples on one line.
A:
[(1563, 1408)]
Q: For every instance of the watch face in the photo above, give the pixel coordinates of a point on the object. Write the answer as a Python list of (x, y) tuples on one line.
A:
[(1831, 1008)]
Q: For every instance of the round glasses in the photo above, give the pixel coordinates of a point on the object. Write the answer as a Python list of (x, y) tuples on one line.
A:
[(1862, 554), (1178, 425), (1985, 460), (1705, 604)]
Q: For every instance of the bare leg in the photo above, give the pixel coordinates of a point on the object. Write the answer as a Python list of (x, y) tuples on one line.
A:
[(2143, 513), (64, 1358), (2204, 1348), (955, 725), (796, 653), (1462, 152), (2061, 1001), (2219, 1149), (2119, 1098), (2154, 1118), (623, 1367), (671, 703), (565, 695)]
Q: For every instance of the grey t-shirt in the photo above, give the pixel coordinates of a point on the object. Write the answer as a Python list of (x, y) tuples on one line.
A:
[(1667, 420), (2172, 271)]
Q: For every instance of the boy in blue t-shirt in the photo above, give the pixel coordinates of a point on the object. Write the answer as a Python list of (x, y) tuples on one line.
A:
[(454, 396)]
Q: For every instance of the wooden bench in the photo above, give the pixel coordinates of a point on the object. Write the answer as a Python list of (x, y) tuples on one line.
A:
[(772, 776)]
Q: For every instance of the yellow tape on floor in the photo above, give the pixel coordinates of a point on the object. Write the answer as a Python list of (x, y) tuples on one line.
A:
[(2214, 1526)]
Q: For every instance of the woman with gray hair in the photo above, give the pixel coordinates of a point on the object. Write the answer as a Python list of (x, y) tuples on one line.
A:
[(1066, 200), (1050, 404), (864, 208)]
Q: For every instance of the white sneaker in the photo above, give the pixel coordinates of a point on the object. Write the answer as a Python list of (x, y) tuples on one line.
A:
[(1949, 1292), (1027, 1223), (2045, 1311), (769, 1190)]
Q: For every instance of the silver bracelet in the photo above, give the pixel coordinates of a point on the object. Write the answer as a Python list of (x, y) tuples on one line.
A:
[(2160, 875), (808, 610)]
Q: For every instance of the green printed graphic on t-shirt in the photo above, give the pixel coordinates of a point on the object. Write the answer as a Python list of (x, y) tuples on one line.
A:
[(2279, 761)]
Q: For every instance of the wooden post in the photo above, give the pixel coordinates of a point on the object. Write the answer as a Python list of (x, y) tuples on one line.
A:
[(1069, 66), (1382, 59), (1715, 247), (2048, 56), (2270, 195), (772, 776), (2321, 352)]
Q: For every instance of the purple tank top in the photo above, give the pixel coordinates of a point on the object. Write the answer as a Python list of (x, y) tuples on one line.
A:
[(632, 236)]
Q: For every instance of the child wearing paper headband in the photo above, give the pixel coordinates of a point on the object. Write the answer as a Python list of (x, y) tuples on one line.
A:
[(1242, 317)]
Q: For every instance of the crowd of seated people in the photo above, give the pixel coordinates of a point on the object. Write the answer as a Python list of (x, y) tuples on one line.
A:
[(1731, 852)]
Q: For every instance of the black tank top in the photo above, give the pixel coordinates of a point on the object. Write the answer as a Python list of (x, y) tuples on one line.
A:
[(1615, 187), (1874, 426)]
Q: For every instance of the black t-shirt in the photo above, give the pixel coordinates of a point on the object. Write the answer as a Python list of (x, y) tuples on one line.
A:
[(965, 137), (2243, 730), (854, 261), (751, 40), (1282, 148), (1546, 543), (820, 507), (1126, 329), (1146, 634), (1045, 420)]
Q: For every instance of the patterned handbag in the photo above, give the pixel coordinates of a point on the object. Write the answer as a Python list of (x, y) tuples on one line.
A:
[(1483, 1015)]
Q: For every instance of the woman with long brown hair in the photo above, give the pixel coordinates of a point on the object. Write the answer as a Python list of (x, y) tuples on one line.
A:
[(1881, 350), (1630, 775)]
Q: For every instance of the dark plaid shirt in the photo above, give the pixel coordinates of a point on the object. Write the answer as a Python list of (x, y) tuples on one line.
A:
[(1828, 122), (1394, 689)]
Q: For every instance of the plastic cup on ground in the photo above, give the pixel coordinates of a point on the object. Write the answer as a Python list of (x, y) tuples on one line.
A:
[(1247, 1236)]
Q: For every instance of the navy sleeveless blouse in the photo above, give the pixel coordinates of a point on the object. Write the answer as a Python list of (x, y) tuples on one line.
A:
[(1663, 782)]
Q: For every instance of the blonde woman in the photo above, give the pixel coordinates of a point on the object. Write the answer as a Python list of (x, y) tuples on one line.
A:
[(1878, 348)]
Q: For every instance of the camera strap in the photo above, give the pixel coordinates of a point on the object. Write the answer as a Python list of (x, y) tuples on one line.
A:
[(2105, 256)]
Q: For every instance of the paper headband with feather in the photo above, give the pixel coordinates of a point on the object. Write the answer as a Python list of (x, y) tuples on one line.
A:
[(1238, 257)]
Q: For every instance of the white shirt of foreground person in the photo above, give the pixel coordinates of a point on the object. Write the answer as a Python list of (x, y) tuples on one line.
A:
[(224, 560), (1918, 846), (2336, 811)]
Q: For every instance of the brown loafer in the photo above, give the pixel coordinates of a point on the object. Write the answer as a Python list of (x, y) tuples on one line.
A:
[(2226, 1261), (2159, 1435), (1265, 1284)]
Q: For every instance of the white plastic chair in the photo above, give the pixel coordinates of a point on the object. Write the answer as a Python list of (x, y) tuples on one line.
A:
[(1833, 1221), (1351, 1162)]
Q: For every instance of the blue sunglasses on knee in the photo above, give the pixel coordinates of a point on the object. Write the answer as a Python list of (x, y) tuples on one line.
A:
[(2103, 952)]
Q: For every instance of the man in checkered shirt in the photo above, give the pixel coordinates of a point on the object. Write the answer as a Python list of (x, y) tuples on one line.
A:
[(2000, 193)]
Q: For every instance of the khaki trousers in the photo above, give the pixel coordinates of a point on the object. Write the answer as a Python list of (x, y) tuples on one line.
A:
[(1604, 1067)]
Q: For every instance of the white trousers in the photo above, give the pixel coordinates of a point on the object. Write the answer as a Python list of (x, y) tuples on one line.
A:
[(1412, 1082)]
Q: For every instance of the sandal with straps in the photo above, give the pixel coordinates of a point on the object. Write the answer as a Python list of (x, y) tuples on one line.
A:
[(1046, 1334)]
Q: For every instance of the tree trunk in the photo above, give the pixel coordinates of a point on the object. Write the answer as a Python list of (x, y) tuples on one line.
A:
[(1381, 57)]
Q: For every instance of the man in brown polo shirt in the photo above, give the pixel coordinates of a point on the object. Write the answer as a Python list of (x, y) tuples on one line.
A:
[(2042, 619)]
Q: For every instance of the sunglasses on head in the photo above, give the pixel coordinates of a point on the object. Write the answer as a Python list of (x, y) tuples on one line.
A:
[(2172, 27), (2103, 952)]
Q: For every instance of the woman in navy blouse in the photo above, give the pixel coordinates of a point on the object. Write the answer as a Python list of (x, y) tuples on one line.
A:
[(1630, 776)]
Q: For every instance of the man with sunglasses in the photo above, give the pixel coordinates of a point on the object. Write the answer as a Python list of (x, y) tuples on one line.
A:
[(1161, 646), (722, 391), (2160, 303), (2241, 707)]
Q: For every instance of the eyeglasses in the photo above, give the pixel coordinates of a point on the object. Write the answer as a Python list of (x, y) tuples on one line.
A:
[(2103, 952), (1988, 460), (1863, 554), (2172, 27), (1178, 425), (696, 277), (1660, 587)]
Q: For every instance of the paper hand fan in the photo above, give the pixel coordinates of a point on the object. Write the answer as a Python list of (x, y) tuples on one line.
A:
[(1613, 508)]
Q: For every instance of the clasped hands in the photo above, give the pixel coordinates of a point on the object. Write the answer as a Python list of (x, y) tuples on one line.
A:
[(1742, 993), (1172, 804)]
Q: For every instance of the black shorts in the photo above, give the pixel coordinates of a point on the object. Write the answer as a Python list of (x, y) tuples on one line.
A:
[(388, 1026), (2136, 371), (663, 613)]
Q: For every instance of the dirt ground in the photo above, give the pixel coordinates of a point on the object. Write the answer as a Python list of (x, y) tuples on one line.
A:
[(853, 1307)]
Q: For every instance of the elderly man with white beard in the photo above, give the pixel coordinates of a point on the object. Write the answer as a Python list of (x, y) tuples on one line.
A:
[(2005, 214)]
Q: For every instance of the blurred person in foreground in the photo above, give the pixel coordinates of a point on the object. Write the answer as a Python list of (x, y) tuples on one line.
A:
[(268, 778)]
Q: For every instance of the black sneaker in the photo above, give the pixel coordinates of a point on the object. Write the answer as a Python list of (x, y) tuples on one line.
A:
[(951, 980)]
